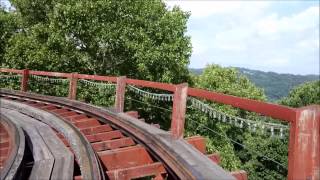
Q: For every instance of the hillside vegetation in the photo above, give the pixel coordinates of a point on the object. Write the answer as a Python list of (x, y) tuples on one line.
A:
[(144, 40), (275, 85)]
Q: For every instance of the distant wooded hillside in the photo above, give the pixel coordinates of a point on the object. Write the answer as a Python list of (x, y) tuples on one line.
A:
[(274, 84)]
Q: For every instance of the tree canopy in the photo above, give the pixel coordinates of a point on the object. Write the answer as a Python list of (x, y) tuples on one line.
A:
[(144, 40), (8, 27), (234, 156), (141, 39), (303, 95)]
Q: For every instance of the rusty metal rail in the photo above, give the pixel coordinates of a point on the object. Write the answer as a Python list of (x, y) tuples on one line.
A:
[(126, 147)]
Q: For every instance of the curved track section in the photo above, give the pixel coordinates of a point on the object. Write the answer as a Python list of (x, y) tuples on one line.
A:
[(52, 160), (12, 148), (85, 156), (126, 147)]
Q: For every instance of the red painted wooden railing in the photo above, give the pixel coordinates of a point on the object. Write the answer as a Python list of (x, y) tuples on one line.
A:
[(303, 160)]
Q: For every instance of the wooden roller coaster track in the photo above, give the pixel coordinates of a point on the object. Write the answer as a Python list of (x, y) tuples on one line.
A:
[(45, 137)]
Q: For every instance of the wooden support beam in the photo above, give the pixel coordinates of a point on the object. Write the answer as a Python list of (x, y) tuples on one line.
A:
[(179, 110), (120, 93), (215, 157), (134, 114), (4, 144), (125, 157), (154, 169), (104, 136), (76, 118), (142, 119), (67, 114), (240, 175), (90, 122), (48, 107), (4, 151), (198, 142), (24, 81), (304, 158), (78, 178), (58, 111), (156, 125), (113, 144), (97, 129), (73, 86)]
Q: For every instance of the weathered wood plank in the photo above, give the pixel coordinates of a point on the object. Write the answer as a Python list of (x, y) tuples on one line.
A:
[(89, 166), (15, 156), (43, 158), (63, 158), (180, 157)]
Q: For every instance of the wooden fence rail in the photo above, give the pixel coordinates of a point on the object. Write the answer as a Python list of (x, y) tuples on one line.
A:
[(303, 158)]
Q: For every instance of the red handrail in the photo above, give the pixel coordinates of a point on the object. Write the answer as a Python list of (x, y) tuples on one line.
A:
[(304, 131), (53, 74), (268, 109)]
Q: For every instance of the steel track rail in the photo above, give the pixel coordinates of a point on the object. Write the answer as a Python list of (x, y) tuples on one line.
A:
[(181, 160)]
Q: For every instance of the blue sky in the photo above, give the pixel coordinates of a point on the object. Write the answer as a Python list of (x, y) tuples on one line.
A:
[(279, 36)]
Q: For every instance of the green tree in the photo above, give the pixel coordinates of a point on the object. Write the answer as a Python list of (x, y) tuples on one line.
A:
[(8, 26), (140, 39), (303, 95), (230, 81), (227, 81)]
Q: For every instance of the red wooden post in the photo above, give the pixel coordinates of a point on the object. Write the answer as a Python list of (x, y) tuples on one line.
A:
[(304, 158), (24, 81), (120, 91), (179, 110), (240, 175), (73, 86)]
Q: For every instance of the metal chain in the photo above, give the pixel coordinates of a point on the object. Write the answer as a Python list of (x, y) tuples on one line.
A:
[(16, 76), (47, 79), (272, 128), (109, 86), (242, 145), (154, 96)]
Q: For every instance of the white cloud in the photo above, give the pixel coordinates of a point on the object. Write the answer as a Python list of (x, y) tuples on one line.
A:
[(295, 23), (308, 44), (254, 35), (235, 39), (271, 28), (276, 62), (198, 47)]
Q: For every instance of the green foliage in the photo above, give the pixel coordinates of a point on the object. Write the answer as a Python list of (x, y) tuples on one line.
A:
[(8, 26), (10, 83), (228, 81), (48, 88), (259, 167), (303, 95), (140, 39), (275, 85), (95, 95), (234, 156), (152, 111)]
